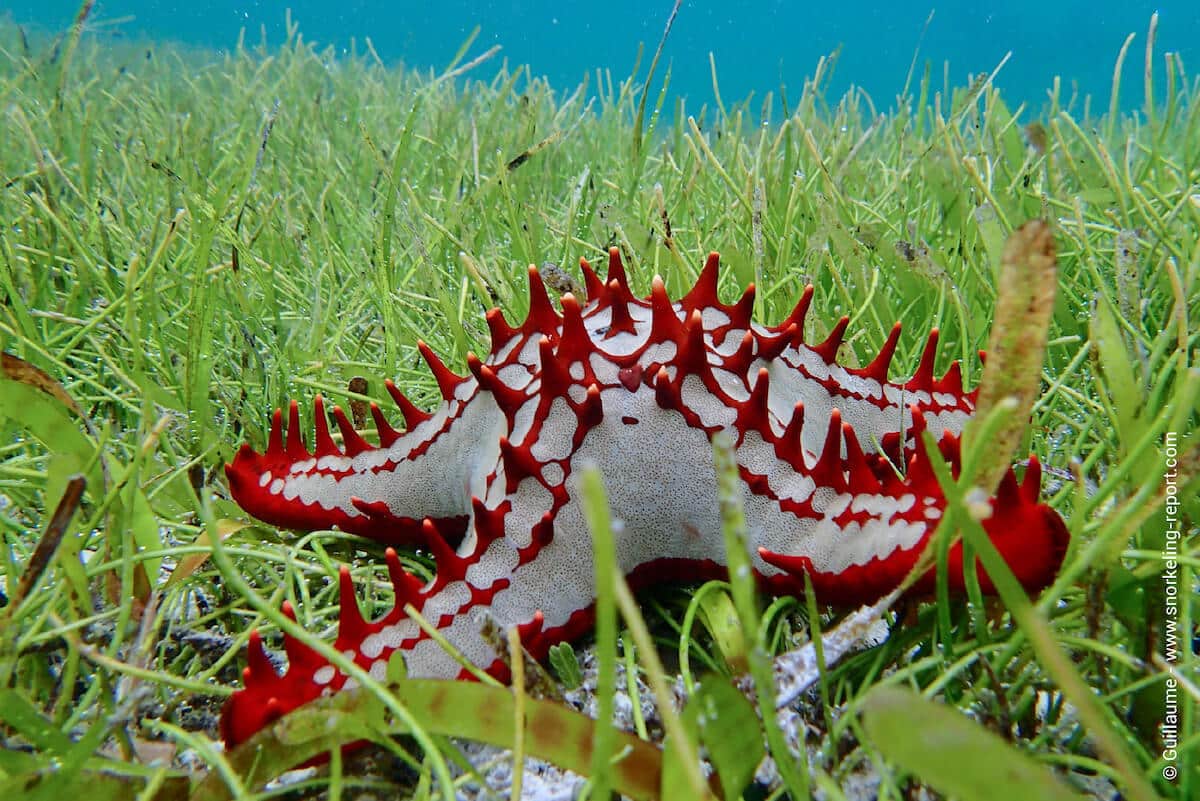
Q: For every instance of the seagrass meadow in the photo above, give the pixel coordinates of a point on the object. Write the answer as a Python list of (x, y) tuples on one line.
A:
[(190, 239)]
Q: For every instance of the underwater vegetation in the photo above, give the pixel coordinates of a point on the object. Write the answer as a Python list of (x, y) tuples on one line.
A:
[(190, 239)]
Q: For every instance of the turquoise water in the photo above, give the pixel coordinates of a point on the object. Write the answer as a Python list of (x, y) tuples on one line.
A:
[(758, 46)]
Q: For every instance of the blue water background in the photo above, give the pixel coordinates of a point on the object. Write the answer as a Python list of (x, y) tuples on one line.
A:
[(758, 46)]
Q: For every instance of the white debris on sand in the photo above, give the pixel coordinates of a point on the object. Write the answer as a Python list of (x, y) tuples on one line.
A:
[(796, 674), (542, 781), (797, 671)]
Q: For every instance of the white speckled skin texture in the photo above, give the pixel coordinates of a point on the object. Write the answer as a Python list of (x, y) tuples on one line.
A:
[(833, 484)]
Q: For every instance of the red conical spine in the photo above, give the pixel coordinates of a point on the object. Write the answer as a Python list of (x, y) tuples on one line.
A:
[(827, 471), (922, 379), (754, 414), (666, 393), (446, 379), (770, 347), (739, 362), (450, 566), (352, 627), (799, 313), (574, 343), (622, 317), (296, 451), (324, 444), (519, 464), (542, 318), (591, 411), (301, 658), (693, 352), (616, 273), (499, 328), (861, 478), (489, 523), (664, 324), (951, 382), (275, 437), (592, 284), (352, 441), (829, 348), (555, 376), (790, 445), (878, 368), (258, 664), (413, 416), (406, 586), (387, 434), (704, 293), (741, 312), (507, 398)]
